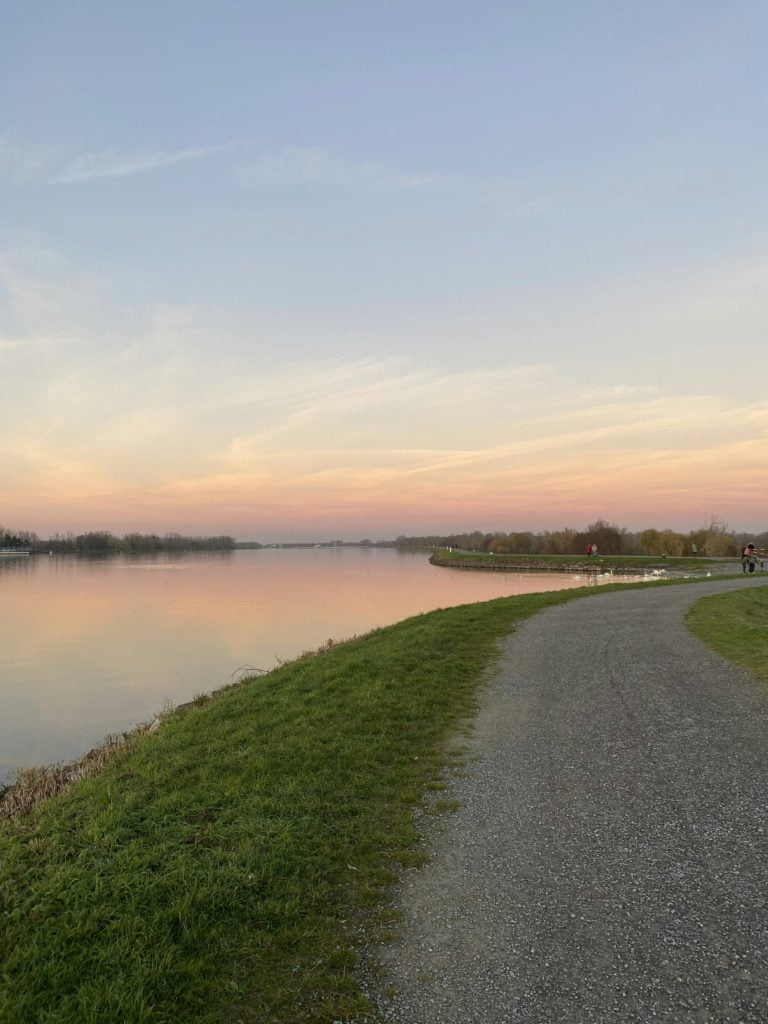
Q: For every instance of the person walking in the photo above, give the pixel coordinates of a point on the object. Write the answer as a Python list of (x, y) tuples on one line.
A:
[(749, 558)]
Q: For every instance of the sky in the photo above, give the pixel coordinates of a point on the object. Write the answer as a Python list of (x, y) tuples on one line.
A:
[(359, 268)]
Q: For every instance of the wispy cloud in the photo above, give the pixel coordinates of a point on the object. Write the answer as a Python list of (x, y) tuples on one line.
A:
[(116, 165), (376, 434), (291, 167), (100, 404), (314, 165), (36, 163)]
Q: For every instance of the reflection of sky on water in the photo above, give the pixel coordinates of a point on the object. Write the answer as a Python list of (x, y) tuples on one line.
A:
[(90, 646)]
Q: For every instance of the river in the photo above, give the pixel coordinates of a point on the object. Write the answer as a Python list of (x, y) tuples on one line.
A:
[(91, 646)]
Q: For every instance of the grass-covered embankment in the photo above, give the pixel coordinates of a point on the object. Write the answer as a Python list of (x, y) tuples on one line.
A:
[(222, 862), (560, 563), (223, 869), (736, 626)]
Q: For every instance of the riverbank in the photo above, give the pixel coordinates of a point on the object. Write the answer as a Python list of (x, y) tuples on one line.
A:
[(128, 634), (235, 859), (618, 565)]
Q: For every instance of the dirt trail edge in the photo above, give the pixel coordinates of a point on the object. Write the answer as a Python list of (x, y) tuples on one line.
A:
[(609, 861)]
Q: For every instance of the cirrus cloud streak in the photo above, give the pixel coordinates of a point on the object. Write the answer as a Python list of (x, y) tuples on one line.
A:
[(370, 446)]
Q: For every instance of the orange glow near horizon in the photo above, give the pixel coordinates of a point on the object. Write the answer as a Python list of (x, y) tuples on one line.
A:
[(463, 460), (653, 489)]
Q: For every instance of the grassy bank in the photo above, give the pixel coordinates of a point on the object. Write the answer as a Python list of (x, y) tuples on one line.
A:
[(224, 863), (618, 563), (736, 626), (224, 869)]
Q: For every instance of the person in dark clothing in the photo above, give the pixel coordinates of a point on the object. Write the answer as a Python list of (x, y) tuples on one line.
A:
[(749, 558)]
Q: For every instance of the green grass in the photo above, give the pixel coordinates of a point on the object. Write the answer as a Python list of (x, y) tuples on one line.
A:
[(736, 626), (224, 869), (631, 562)]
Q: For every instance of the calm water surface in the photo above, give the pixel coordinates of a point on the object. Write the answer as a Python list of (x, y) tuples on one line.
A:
[(90, 646)]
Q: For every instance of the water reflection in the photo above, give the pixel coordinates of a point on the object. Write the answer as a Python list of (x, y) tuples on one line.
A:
[(92, 645)]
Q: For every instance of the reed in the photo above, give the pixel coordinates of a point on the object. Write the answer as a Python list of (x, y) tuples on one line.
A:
[(32, 786)]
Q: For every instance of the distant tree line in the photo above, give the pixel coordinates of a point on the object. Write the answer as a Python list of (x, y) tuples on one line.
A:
[(106, 542), (8, 539), (713, 540)]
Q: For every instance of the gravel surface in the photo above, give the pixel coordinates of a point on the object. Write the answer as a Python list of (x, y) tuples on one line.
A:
[(609, 861)]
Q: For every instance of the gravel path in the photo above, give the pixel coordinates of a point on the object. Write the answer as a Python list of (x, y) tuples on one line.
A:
[(609, 861)]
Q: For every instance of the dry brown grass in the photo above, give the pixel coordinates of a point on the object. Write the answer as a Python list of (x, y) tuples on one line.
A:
[(39, 783)]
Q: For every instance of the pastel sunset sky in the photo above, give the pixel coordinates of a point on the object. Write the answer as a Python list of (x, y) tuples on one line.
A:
[(356, 268)]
